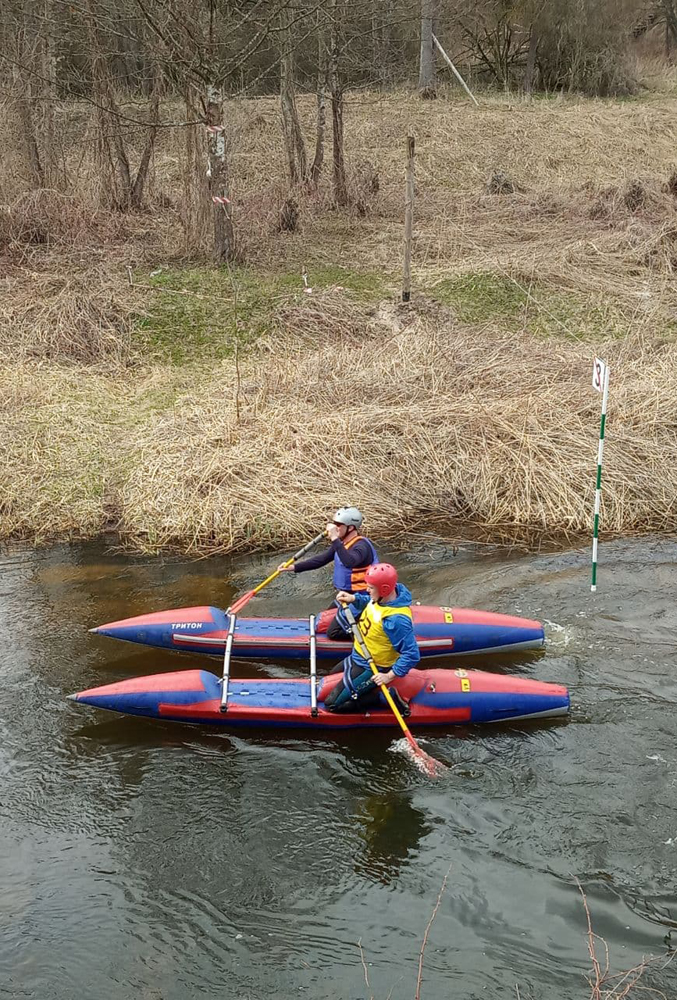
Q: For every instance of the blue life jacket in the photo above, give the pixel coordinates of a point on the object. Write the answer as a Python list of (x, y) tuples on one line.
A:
[(352, 580)]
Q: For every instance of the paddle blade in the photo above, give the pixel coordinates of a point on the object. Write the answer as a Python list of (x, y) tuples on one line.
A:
[(426, 764), (430, 765)]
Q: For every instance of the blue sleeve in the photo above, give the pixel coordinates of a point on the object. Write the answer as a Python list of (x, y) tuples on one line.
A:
[(400, 631), (316, 561), (357, 607), (358, 555), (362, 599)]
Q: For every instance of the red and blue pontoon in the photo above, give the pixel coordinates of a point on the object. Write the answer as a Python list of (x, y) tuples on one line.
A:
[(440, 631), (436, 697)]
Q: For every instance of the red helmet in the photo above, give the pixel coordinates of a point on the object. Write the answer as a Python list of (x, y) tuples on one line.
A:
[(383, 576)]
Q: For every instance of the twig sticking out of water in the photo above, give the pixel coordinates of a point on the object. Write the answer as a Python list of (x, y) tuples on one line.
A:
[(390, 991), (599, 975), (364, 966), (602, 985), (427, 931)]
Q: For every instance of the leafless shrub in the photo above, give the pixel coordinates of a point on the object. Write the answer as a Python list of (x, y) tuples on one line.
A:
[(48, 218), (289, 216), (85, 318), (605, 985), (363, 187), (500, 183)]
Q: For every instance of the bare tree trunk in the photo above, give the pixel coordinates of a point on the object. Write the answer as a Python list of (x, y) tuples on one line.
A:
[(408, 220), (375, 43), (528, 81), (130, 58), (48, 73), (146, 156), (121, 160), (339, 173), (23, 86), (318, 159), (196, 214), (109, 121), (293, 136), (382, 18), (386, 41), (224, 237), (37, 175), (426, 76), (670, 25), (385, 37)]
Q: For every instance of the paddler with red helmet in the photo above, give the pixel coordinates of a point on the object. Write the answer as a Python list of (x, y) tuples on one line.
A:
[(384, 616)]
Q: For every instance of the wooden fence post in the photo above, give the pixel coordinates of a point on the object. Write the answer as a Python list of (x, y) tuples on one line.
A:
[(408, 220)]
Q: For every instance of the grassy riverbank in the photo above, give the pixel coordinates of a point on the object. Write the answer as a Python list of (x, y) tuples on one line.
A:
[(209, 409)]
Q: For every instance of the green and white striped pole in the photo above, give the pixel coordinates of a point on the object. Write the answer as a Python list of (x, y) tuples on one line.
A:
[(600, 381)]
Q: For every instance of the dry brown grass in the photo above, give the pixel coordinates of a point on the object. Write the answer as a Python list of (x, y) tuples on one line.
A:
[(64, 285), (50, 219), (82, 317), (421, 419), (418, 420)]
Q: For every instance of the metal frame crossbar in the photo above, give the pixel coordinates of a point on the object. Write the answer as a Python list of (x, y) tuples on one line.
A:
[(223, 707), (313, 666)]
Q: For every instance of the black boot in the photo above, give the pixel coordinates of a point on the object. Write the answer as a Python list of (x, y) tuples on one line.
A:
[(402, 705)]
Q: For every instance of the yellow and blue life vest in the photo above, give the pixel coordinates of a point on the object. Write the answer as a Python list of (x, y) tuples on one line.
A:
[(376, 639)]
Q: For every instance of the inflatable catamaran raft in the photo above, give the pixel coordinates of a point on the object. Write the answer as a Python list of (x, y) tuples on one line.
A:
[(440, 631), (435, 696)]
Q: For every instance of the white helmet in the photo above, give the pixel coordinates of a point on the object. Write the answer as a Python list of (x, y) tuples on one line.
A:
[(350, 516)]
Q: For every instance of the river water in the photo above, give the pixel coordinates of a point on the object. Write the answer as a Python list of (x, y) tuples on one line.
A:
[(152, 861)]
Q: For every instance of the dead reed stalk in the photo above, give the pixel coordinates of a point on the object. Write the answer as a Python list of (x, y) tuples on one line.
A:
[(482, 417), (419, 977), (605, 985), (499, 432)]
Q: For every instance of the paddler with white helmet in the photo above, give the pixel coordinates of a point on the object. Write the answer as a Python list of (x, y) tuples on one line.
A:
[(352, 554)]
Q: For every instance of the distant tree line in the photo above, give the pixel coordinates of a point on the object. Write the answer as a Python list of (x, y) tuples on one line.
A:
[(202, 52)]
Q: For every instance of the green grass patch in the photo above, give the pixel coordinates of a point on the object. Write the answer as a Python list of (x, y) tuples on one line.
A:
[(479, 298), (199, 313), (365, 286), (486, 298)]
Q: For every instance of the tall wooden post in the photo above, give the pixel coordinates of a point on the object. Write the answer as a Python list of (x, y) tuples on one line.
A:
[(408, 220), (426, 76), (224, 237)]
